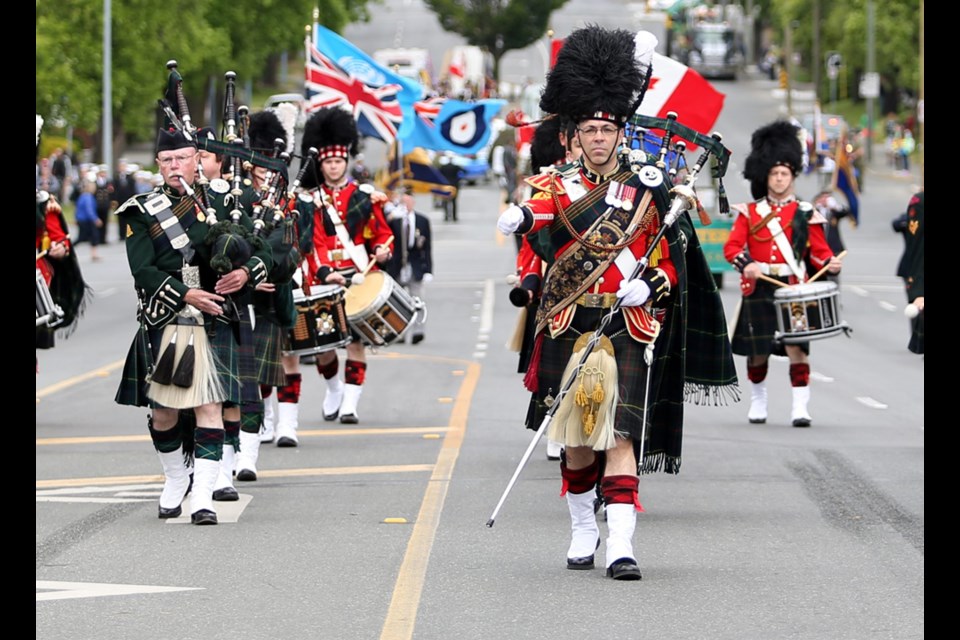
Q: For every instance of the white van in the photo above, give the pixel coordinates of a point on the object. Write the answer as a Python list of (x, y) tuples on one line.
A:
[(412, 63)]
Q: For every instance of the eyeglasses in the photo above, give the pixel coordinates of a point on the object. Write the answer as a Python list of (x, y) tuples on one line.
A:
[(607, 132), (179, 159)]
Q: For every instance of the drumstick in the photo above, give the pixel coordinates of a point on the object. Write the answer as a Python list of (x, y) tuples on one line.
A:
[(359, 277), (773, 281), (370, 264), (825, 267)]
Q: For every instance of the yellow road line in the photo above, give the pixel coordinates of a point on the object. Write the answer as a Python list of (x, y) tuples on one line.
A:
[(100, 372), (402, 614), (331, 433), (276, 473)]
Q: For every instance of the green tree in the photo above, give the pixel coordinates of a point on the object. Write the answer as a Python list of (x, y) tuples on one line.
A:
[(843, 28), (496, 25), (206, 37)]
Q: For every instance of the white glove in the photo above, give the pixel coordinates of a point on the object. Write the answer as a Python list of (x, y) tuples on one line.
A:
[(633, 293), (428, 277), (510, 219)]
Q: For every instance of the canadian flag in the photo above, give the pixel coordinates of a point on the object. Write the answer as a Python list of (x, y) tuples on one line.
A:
[(676, 87), (457, 65)]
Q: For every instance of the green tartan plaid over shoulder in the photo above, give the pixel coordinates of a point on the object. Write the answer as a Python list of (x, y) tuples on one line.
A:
[(693, 360)]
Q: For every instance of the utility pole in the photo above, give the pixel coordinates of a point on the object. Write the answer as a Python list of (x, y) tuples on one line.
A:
[(107, 104), (871, 68), (815, 56), (788, 45)]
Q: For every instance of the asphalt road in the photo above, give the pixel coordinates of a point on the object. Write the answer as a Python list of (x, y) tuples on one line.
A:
[(378, 530)]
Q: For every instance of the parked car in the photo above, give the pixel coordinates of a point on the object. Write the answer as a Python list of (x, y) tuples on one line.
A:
[(476, 167)]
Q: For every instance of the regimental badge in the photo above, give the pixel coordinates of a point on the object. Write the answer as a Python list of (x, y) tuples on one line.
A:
[(650, 176), (191, 276), (219, 185)]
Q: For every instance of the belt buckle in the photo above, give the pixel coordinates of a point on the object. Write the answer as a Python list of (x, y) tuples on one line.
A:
[(593, 300)]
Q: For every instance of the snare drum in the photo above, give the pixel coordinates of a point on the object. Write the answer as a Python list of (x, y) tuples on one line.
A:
[(321, 323), (808, 311), (380, 310), (49, 312)]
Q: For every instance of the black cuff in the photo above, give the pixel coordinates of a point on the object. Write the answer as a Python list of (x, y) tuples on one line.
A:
[(658, 283), (531, 282), (322, 274), (519, 297), (741, 261), (527, 223)]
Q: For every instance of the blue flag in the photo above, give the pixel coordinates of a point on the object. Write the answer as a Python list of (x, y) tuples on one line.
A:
[(443, 124), (375, 78)]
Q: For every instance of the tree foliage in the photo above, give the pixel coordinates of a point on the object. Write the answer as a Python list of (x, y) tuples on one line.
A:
[(205, 37), (843, 28), (496, 25)]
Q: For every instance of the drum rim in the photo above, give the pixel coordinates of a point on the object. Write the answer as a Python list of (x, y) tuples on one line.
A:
[(381, 297)]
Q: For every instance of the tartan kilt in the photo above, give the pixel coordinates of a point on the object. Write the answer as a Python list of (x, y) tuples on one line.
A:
[(225, 352), (145, 350), (247, 365), (269, 340), (757, 324), (631, 378), (140, 357)]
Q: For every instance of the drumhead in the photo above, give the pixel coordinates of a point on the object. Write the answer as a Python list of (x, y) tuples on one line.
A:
[(372, 292), (317, 292), (806, 290)]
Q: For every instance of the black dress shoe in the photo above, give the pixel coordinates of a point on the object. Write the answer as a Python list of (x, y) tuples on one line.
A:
[(204, 516), (585, 562), (802, 422), (349, 418), (170, 513), (286, 442), (227, 494), (757, 420), (246, 475), (624, 569), (417, 338), (330, 417)]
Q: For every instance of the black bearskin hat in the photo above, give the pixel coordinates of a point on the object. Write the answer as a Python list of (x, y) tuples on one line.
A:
[(333, 132), (777, 143), (265, 127), (545, 148), (599, 74)]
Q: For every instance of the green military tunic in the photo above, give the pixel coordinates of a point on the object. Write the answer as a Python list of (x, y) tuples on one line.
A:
[(157, 269)]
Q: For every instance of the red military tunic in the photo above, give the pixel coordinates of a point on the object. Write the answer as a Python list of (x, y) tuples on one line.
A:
[(750, 234), (543, 208), (51, 230), (364, 222)]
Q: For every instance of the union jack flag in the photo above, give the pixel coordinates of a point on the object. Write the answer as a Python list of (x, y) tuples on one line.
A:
[(376, 109)]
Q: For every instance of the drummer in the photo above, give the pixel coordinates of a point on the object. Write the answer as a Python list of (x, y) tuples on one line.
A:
[(771, 240), (350, 236)]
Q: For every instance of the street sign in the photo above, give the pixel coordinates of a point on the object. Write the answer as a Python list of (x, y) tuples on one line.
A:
[(834, 62), (870, 85)]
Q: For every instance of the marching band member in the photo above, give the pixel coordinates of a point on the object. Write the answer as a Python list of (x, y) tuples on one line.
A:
[(600, 218), (349, 231), (772, 238), (184, 354), (290, 238), (58, 266)]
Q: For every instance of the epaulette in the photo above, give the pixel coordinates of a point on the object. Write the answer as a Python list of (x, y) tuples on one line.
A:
[(545, 182), (569, 170), (136, 201), (810, 213)]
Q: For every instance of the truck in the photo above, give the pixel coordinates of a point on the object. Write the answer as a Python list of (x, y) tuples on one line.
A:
[(410, 62), (715, 50)]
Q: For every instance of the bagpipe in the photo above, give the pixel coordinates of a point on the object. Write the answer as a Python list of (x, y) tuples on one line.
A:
[(654, 167)]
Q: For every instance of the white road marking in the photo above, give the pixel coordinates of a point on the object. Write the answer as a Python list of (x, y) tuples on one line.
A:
[(486, 312), (886, 306), (860, 291), (91, 500), (819, 377), (227, 512), (54, 590), (870, 402), (116, 489)]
